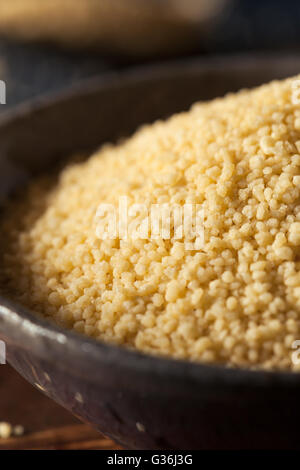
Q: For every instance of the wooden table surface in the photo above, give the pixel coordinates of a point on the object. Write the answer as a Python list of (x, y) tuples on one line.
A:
[(47, 425)]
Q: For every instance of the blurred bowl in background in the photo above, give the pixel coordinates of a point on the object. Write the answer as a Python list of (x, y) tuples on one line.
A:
[(131, 27)]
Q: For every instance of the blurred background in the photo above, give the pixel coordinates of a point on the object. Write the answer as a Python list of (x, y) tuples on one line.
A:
[(50, 45)]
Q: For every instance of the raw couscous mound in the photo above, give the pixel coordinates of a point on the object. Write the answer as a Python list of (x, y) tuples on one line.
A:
[(237, 300)]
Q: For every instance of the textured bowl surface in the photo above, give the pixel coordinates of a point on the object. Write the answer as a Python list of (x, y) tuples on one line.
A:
[(140, 401)]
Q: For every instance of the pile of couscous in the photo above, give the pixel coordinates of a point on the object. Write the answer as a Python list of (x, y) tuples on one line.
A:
[(236, 300)]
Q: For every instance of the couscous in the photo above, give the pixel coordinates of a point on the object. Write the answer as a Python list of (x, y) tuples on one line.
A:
[(235, 300)]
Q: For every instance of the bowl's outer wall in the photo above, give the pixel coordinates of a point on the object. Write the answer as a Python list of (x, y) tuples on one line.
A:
[(235, 418), (141, 410)]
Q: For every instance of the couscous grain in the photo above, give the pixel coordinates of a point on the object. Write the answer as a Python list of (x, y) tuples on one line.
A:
[(235, 301), (6, 430)]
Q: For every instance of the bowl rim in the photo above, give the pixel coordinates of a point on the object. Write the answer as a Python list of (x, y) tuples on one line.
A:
[(33, 333), (171, 68), (29, 331)]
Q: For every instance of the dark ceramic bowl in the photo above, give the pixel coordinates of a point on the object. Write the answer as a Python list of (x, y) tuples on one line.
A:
[(140, 401)]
